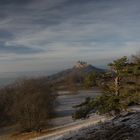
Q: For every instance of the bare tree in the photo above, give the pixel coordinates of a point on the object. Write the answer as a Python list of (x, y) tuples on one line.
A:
[(35, 105)]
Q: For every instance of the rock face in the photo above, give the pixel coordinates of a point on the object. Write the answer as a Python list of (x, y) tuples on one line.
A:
[(124, 127)]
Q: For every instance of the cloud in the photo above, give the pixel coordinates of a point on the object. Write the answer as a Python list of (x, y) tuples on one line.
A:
[(49, 31)]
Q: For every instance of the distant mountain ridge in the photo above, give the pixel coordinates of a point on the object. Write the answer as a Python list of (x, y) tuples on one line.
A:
[(79, 68)]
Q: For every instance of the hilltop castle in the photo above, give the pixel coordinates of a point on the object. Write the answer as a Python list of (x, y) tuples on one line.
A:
[(81, 64)]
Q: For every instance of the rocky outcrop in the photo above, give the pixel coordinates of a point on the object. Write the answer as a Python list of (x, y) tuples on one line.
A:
[(124, 127)]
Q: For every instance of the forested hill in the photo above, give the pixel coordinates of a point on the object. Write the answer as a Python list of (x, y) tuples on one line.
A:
[(78, 69)]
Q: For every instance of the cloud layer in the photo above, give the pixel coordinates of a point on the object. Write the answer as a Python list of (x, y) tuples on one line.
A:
[(53, 34)]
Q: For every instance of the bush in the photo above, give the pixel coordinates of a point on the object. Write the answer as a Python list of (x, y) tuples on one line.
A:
[(107, 103)]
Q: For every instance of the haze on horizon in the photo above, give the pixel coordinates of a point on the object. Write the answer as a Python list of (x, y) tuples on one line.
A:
[(50, 35)]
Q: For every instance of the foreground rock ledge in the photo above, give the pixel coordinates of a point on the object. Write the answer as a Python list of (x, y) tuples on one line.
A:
[(124, 127)]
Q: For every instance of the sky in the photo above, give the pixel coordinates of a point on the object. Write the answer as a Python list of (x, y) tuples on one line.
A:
[(51, 35)]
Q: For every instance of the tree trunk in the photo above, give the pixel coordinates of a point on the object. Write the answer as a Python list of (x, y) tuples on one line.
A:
[(117, 85)]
